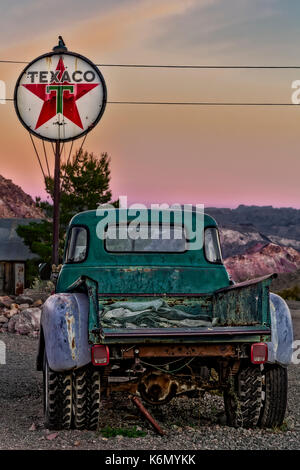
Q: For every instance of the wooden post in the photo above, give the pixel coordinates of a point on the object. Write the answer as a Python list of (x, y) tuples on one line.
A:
[(56, 198)]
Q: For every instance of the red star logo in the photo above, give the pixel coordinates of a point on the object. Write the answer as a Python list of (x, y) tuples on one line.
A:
[(60, 97)]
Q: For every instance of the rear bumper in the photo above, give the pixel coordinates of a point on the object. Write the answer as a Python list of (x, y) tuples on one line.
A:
[(179, 350)]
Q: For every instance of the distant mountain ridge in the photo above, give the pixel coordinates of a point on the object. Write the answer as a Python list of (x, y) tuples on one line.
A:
[(240, 239), (258, 240), (15, 203), (281, 222)]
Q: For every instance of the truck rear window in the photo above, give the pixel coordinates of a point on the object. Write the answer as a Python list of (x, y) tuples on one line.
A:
[(212, 249), (152, 239), (77, 245)]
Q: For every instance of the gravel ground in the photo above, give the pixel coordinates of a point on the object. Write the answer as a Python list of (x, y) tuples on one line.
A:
[(189, 423)]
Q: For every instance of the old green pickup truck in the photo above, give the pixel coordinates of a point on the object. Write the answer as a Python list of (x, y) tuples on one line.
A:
[(156, 318)]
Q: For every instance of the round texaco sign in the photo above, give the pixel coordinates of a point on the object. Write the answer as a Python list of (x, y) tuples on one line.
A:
[(60, 96)]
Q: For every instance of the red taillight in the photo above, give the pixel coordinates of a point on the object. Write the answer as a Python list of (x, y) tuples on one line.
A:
[(100, 355), (259, 353)]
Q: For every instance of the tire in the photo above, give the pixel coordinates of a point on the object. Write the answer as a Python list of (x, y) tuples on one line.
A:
[(86, 398), (243, 398), (275, 386), (57, 398)]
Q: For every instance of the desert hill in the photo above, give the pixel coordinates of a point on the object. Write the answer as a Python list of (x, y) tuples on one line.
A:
[(15, 203)]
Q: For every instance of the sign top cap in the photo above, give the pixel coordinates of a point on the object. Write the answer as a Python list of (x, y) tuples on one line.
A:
[(61, 47)]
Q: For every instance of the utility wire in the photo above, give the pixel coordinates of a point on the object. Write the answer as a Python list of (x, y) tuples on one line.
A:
[(53, 149), (12, 62), (199, 103), (71, 147), (166, 66), (37, 154), (82, 144), (46, 158), (154, 66), (61, 150), (194, 103)]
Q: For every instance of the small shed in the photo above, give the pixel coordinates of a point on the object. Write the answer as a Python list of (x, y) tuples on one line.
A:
[(13, 256)]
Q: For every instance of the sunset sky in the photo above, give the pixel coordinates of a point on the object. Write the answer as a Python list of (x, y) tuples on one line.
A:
[(218, 156)]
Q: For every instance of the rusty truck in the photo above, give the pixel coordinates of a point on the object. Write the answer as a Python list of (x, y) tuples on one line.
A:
[(158, 318)]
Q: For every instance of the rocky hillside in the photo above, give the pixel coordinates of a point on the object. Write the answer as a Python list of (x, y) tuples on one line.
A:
[(279, 225), (239, 239), (259, 240), (14, 202), (263, 259)]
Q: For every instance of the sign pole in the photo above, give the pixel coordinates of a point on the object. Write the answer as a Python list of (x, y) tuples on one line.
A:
[(56, 199)]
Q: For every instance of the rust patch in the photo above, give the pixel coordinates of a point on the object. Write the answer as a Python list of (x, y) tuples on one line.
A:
[(70, 320), (48, 62), (147, 415), (181, 350), (157, 388), (130, 387)]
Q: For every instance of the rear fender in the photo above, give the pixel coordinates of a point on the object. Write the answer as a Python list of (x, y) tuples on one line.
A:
[(64, 323), (280, 349)]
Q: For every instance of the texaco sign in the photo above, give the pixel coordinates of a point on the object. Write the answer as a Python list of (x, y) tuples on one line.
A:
[(60, 96)]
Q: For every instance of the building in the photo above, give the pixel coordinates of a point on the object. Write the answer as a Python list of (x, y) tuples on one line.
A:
[(13, 256)]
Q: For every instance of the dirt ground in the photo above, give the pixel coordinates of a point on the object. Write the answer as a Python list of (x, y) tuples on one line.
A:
[(189, 423)]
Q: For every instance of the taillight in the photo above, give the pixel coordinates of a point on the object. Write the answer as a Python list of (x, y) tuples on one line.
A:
[(259, 353), (100, 355)]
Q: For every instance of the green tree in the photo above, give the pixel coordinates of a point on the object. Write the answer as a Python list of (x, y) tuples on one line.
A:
[(84, 183)]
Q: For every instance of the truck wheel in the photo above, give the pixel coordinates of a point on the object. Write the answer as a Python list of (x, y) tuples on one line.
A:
[(86, 398), (244, 397), (57, 398), (275, 385)]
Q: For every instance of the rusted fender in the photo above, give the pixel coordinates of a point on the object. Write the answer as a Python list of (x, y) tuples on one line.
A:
[(280, 349), (64, 324)]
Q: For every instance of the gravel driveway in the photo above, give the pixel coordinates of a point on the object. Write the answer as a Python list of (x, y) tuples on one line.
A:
[(189, 423)]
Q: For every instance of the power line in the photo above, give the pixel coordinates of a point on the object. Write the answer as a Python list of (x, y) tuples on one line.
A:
[(46, 158), (37, 154), (198, 103), (70, 152), (187, 103), (193, 103), (170, 66), (155, 66), (13, 62)]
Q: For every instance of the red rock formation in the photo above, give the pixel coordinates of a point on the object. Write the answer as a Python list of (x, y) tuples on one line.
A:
[(15, 203), (259, 261)]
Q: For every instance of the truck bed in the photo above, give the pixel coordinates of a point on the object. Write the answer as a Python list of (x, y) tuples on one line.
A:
[(239, 312)]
